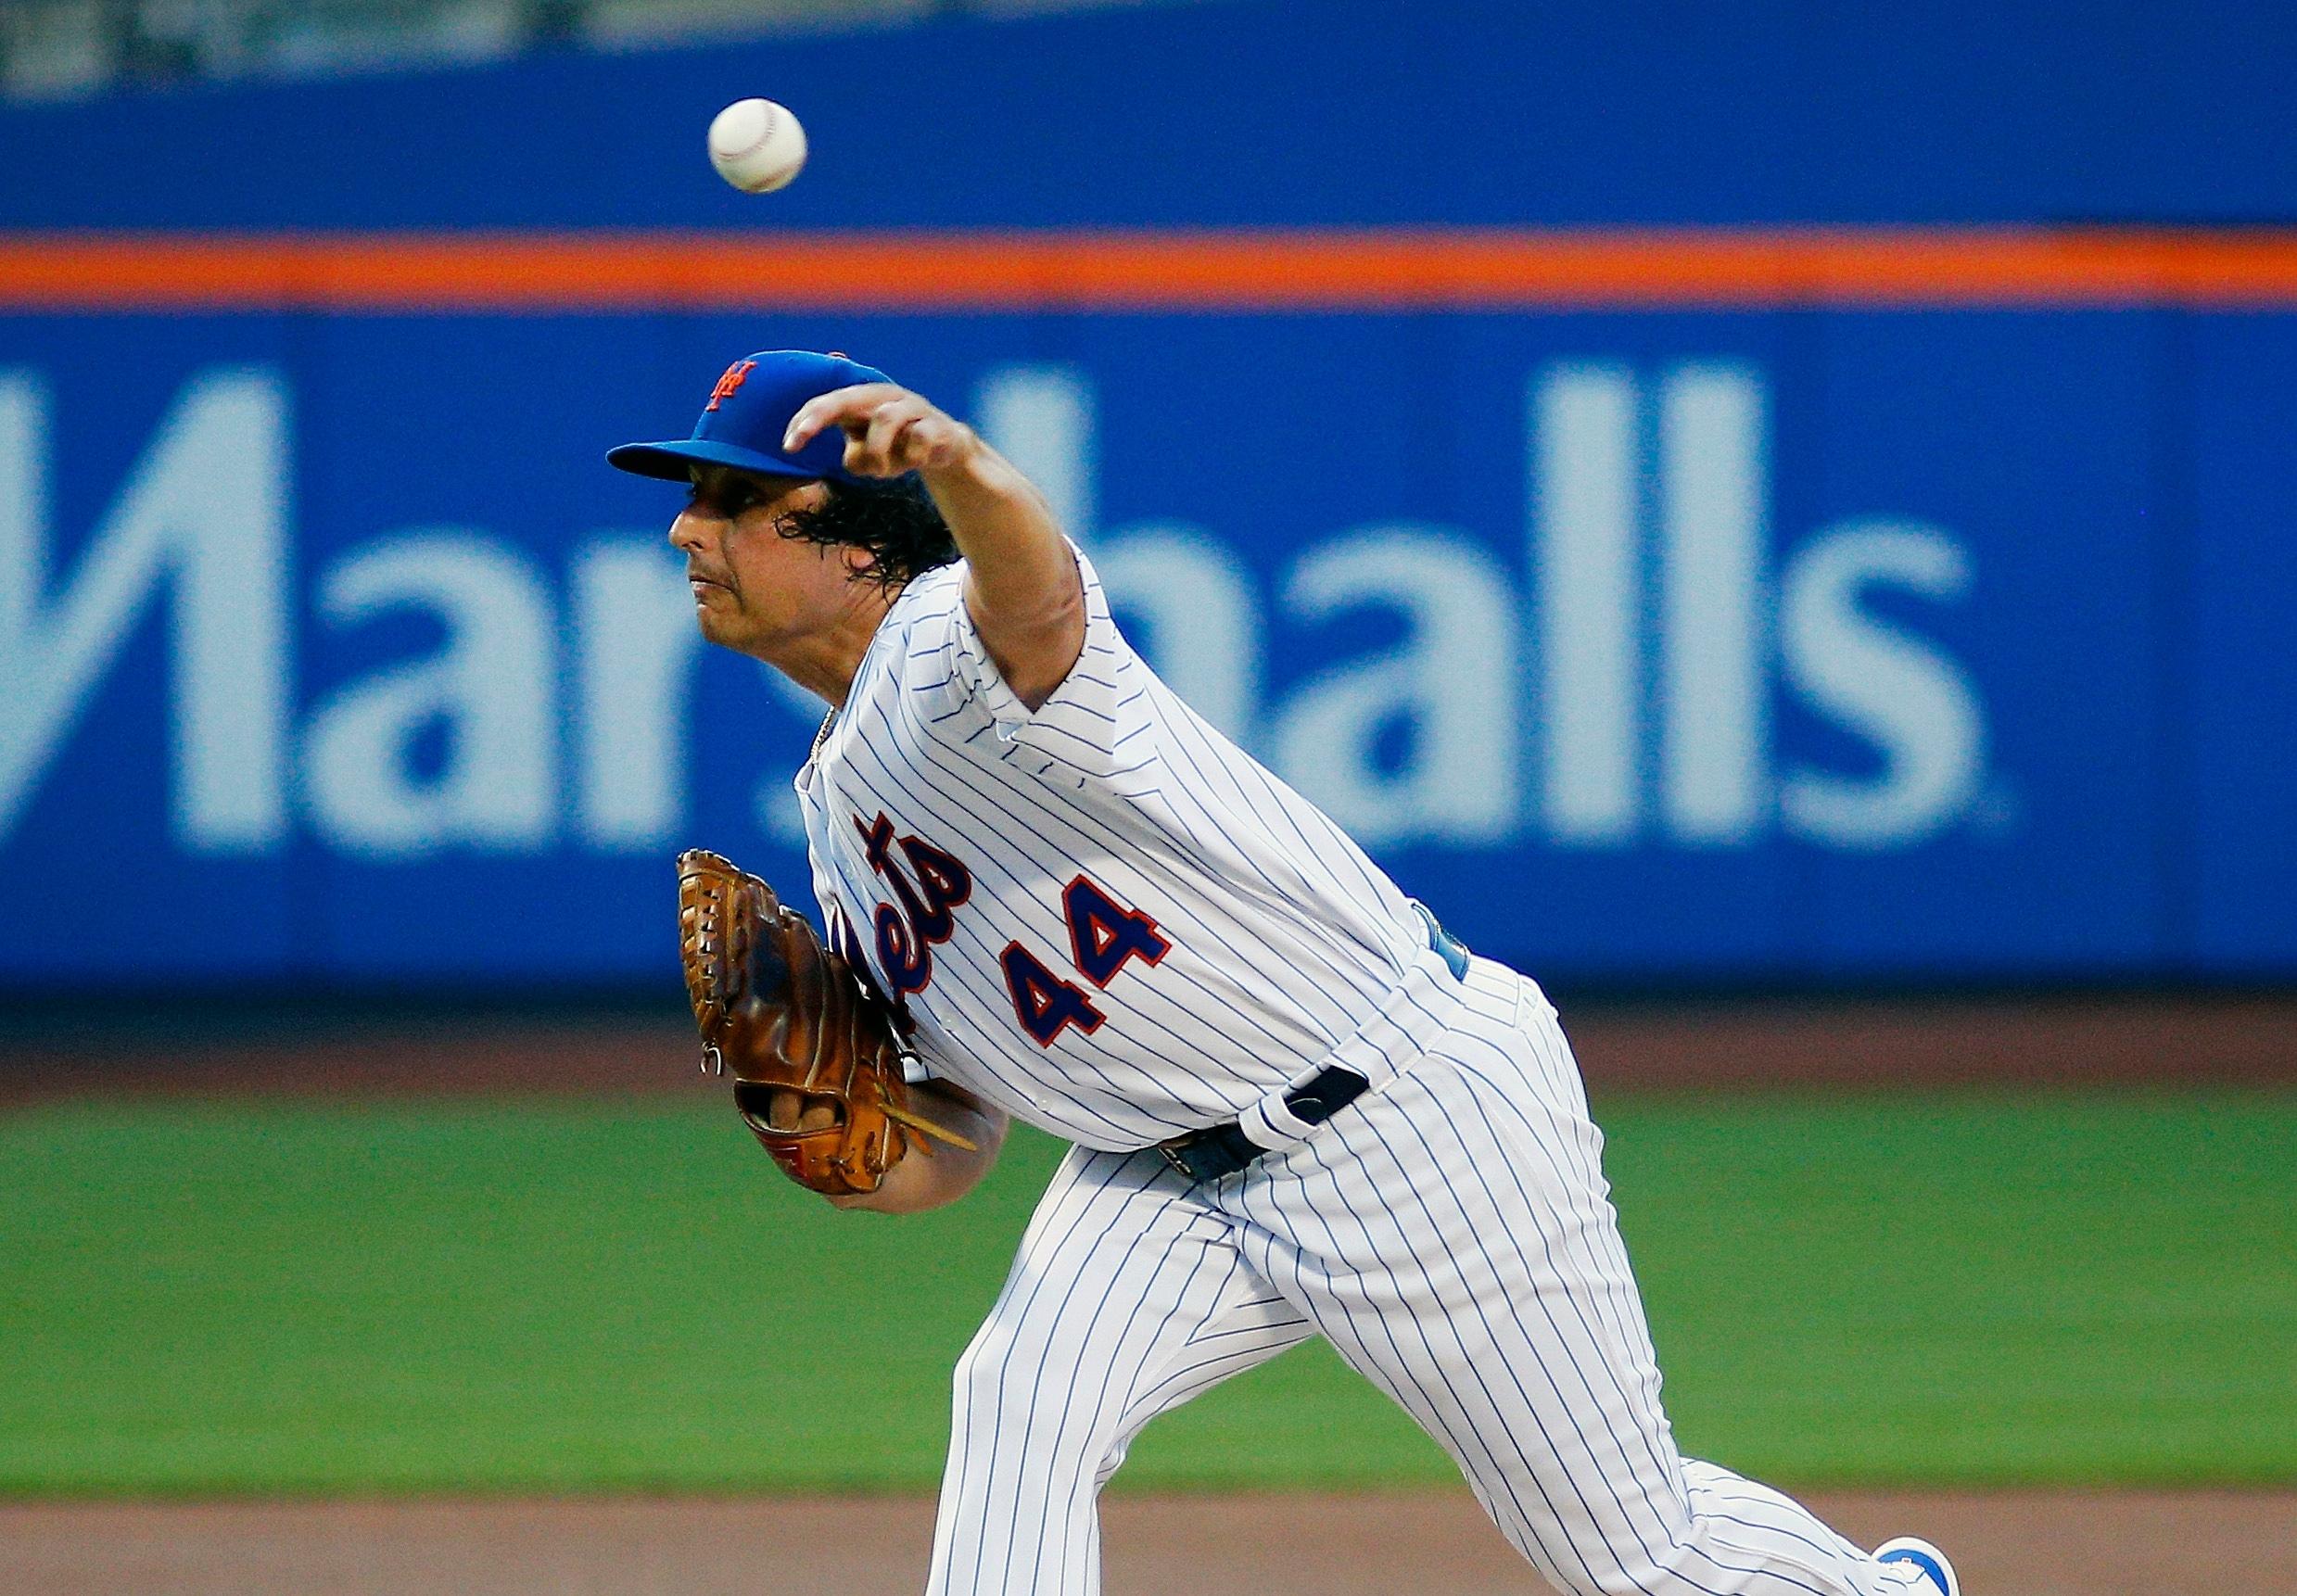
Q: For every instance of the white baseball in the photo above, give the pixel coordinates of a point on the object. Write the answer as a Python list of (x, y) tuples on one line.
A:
[(757, 145)]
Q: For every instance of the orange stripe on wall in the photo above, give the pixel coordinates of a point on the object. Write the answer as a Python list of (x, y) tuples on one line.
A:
[(1148, 270)]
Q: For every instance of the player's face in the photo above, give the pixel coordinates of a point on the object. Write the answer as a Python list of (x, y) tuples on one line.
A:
[(754, 587)]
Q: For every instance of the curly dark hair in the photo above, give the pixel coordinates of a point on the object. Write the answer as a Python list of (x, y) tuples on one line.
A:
[(896, 520)]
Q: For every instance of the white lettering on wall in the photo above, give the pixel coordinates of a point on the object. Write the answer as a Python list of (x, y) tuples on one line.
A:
[(1704, 633), (1453, 681), (490, 686), (206, 509), (635, 642), (1584, 466), (1632, 704), (1897, 692), (1714, 662)]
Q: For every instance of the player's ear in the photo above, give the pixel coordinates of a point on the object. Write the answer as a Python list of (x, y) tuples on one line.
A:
[(860, 564)]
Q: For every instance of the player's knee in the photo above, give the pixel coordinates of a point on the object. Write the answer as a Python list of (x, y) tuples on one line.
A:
[(989, 1384), (1009, 1380)]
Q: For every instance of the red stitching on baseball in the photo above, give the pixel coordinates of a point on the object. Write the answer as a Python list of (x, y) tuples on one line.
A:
[(760, 143)]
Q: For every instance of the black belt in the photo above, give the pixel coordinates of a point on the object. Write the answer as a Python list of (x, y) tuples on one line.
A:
[(1218, 1150)]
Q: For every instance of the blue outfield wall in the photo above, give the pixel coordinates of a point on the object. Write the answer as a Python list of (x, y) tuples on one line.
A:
[(1257, 113), (1946, 644)]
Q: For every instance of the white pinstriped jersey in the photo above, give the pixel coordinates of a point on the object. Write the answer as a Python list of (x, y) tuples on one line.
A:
[(1103, 917)]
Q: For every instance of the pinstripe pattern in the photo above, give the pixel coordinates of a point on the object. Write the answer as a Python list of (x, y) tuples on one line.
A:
[(1128, 1297), (1450, 1232), (1285, 938), (1452, 1236)]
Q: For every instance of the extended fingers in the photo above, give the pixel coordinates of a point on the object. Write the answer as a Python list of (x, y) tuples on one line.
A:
[(936, 441), (876, 449), (836, 408), (888, 430)]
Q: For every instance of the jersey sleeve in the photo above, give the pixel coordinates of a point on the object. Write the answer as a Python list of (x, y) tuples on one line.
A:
[(1094, 727)]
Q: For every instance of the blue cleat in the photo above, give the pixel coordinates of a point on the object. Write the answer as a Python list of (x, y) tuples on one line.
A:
[(1926, 1559)]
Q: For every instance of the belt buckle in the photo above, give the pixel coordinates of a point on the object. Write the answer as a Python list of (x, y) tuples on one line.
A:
[(1170, 1152)]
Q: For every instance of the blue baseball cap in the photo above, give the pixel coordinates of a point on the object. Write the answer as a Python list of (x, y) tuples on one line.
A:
[(749, 411)]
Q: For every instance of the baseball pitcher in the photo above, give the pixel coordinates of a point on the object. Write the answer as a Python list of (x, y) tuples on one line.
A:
[(1299, 1107)]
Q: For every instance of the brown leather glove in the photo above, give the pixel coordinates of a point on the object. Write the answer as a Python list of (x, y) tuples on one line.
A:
[(813, 1055)]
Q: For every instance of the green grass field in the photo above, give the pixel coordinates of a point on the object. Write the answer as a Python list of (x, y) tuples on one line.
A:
[(464, 1296)]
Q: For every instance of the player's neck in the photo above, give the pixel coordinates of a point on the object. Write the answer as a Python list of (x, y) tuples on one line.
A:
[(825, 661)]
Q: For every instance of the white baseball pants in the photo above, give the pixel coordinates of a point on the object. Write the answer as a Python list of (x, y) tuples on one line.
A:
[(1451, 1234)]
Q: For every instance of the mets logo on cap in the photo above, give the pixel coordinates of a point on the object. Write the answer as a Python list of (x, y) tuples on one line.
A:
[(731, 380)]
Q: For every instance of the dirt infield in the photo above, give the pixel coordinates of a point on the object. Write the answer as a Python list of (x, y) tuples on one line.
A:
[(2021, 1543), (2056, 1041)]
